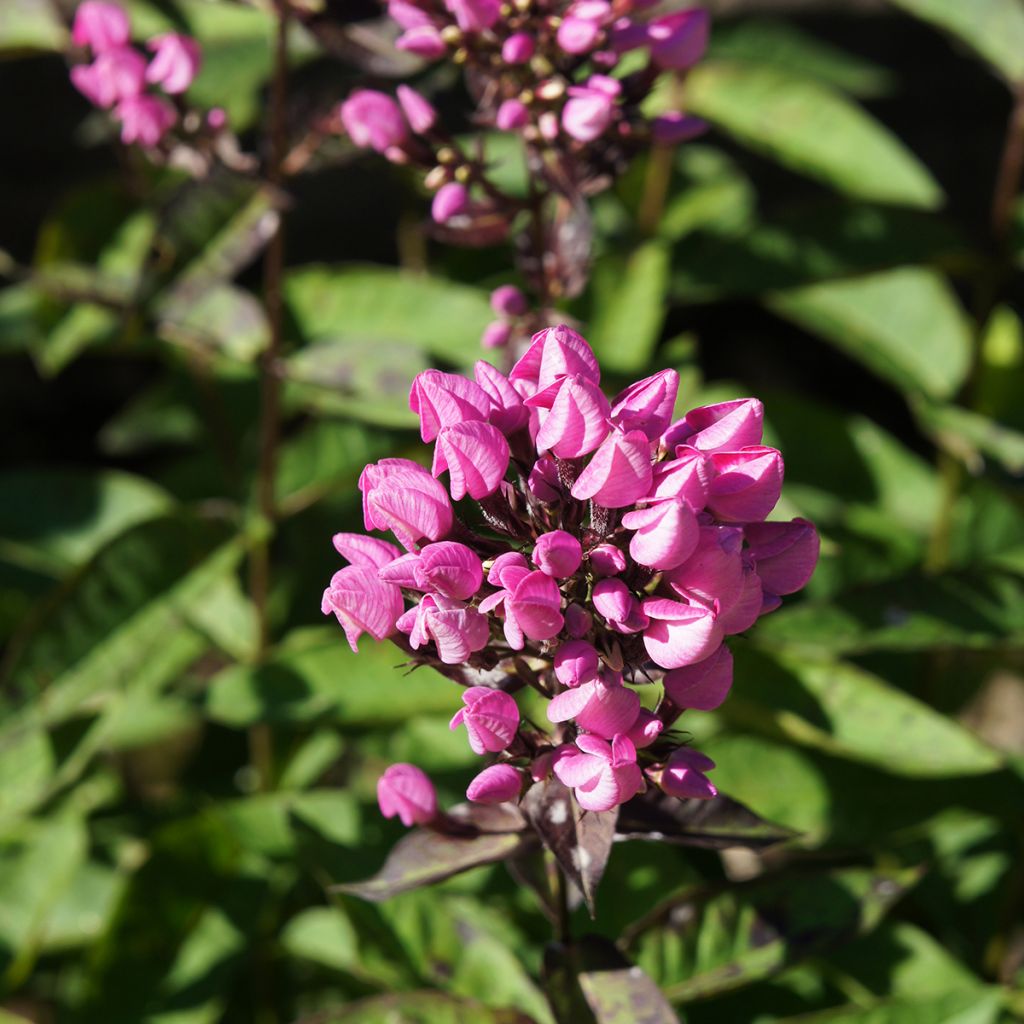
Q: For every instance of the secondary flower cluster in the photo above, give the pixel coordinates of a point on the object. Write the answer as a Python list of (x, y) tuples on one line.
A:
[(118, 76), (605, 547)]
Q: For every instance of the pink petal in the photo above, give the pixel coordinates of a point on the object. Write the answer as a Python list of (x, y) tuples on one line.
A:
[(607, 560), (476, 456), (619, 473), (743, 612), (747, 485), (575, 663), (495, 785), (507, 413), (703, 685), (444, 399), (784, 554), (578, 420), (451, 569), (405, 790), (645, 730), (714, 572), (679, 634), (612, 709), (411, 515), (362, 603), (623, 751), (666, 534), (558, 554), (595, 745), (569, 703), (536, 604), (402, 572), (648, 404), (726, 426), (574, 769), (554, 352), (362, 550), (687, 476)]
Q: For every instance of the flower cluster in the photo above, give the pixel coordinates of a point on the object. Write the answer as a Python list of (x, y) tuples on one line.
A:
[(551, 73), (605, 548), (119, 73)]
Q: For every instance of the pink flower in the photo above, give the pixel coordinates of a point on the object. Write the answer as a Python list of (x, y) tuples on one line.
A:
[(449, 201), (404, 790), (687, 476), (646, 729), (703, 685), (144, 119), (684, 776), (362, 550), (518, 48), (508, 300), (408, 13), (447, 568), (491, 718), (576, 662), (713, 574), (619, 473), (531, 601), (588, 111), (554, 353), (401, 496), (511, 116), (648, 404), (543, 481), (604, 707), (679, 40), (496, 334), (666, 533), (362, 603), (607, 560), (445, 399), (602, 775), (475, 455), (679, 634), (558, 554), (456, 631), (784, 554), (747, 484), (474, 15), (115, 75), (175, 63), (506, 409), (725, 426), (675, 127), (578, 35), (103, 26), (508, 569), (423, 40), (418, 110), (495, 785), (373, 120), (620, 608), (577, 421)]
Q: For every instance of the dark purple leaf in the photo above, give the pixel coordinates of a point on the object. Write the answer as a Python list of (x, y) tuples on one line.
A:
[(580, 840), (473, 834), (712, 824)]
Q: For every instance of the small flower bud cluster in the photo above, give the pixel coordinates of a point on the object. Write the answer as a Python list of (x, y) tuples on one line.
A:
[(600, 548), (545, 71), (118, 76)]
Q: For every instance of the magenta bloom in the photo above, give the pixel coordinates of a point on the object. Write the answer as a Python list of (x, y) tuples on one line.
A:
[(747, 484), (575, 662), (423, 40), (703, 685), (445, 399), (602, 774), (604, 707), (508, 300), (648, 404), (679, 40), (115, 75), (679, 634), (404, 790), (578, 35), (588, 111), (491, 718), (784, 554), (687, 476), (554, 353), (621, 608), (666, 533), (362, 603), (418, 110), (144, 119), (175, 63), (511, 116), (495, 785), (684, 776), (373, 120), (401, 496), (456, 630), (506, 411), (726, 426), (474, 15), (619, 473), (408, 14), (102, 26), (362, 550), (577, 421), (518, 48), (558, 554), (475, 456), (607, 560), (449, 201)]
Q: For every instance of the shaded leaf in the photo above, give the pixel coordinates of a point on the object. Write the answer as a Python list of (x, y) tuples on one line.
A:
[(709, 941), (716, 824), (906, 325), (221, 318), (992, 28), (810, 128), (481, 834), (849, 712), (324, 935), (386, 305), (28, 26), (423, 1007), (983, 1006), (966, 433), (580, 840)]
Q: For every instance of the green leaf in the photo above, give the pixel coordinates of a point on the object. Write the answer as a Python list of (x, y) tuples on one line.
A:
[(324, 935), (28, 26), (223, 318), (425, 1007), (709, 192), (810, 128), (124, 621), (55, 520), (994, 29), (629, 306), (784, 46), (381, 304), (708, 942), (966, 434), (482, 834), (27, 764), (849, 712), (905, 324), (315, 675), (967, 610), (980, 1007)]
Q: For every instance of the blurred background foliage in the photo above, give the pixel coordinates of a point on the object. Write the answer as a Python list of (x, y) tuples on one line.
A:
[(174, 800)]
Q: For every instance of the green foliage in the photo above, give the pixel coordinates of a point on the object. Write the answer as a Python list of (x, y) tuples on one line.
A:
[(188, 823)]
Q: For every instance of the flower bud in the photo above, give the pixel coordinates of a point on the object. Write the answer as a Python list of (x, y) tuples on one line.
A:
[(684, 776), (449, 568), (144, 119), (784, 554), (678, 40), (679, 634), (576, 662), (648, 404), (607, 560), (491, 718), (449, 201), (508, 300), (474, 15), (495, 785), (496, 334), (511, 116), (620, 608), (578, 621), (418, 110), (588, 111), (518, 48), (666, 533), (404, 790), (373, 120), (424, 40), (558, 554), (747, 485)]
